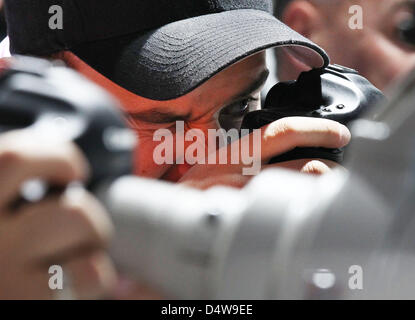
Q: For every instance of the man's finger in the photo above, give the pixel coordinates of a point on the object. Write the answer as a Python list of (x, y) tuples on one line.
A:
[(310, 166), (57, 228), (22, 159), (287, 133), (90, 277), (26, 284), (84, 277)]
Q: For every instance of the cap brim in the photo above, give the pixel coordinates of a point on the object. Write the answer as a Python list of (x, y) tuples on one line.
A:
[(175, 59)]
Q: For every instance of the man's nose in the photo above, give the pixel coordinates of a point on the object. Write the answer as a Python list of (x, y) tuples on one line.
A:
[(175, 173)]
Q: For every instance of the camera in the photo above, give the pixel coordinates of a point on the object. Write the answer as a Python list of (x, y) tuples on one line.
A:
[(224, 243), (57, 103), (336, 93), (345, 235)]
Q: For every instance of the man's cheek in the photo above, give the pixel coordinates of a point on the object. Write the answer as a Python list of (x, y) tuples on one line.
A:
[(168, 155), (144, 164)]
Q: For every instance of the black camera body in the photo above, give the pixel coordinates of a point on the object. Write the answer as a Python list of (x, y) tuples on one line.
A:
[(336, 93)]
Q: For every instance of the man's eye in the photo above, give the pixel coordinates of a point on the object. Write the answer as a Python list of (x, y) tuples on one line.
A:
[(232, 115), (238, 108)]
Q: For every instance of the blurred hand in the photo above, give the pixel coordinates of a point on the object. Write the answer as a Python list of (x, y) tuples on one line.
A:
[(277, 138), (70, 230)]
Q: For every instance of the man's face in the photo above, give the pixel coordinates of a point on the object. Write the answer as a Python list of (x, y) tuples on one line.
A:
[(376, 51), (228, 95)]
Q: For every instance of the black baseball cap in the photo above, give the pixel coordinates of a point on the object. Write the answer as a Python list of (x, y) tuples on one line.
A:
[(157, 49)]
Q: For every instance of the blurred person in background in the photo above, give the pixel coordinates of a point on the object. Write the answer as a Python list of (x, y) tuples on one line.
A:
[(377, 50)]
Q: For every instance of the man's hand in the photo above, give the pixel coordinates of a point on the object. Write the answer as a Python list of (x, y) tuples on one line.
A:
[(277, 138), (70, 230)]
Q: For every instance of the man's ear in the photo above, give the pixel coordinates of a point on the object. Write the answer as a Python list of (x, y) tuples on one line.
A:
[(303, 17)]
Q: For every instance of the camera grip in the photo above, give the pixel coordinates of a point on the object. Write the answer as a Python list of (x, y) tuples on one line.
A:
[(334, 93), (335, 155)]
